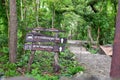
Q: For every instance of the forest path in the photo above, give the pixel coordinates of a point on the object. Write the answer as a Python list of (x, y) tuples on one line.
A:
[(96, 65)]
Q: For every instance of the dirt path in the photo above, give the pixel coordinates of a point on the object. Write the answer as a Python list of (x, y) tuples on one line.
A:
[(96, 65)]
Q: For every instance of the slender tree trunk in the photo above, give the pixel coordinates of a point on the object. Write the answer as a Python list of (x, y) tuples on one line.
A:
[(25, 12), (13, 32), (90, 35), (21, 4), (7, 13), (37, 13), (115, 10), (31, 60), (56, 66), (98, 35), (7, 10), (115, 66), (53, 17)]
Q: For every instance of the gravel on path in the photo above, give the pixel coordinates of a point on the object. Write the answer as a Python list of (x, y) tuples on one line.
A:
[(97, 66)]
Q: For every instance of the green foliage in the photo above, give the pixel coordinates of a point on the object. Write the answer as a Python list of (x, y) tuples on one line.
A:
[(23, 60), (74, 70), (42, 66), (4, 50), (44, 77), (93, 51), (9, 69), (73, 16)]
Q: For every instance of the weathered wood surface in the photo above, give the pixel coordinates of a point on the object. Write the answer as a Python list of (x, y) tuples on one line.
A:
[(42, 38), (35, 38), (45, 29), (35, 47), (107, 50), (30, 60)]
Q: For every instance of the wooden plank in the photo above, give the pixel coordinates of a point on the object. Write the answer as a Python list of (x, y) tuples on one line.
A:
[(108, 50), (45, 29), (38, 38), (34, 47)]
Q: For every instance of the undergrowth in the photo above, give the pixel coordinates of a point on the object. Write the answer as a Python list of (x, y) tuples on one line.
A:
[(42, 66)]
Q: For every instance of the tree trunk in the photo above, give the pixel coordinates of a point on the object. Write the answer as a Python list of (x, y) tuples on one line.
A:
[(21, 4), (56, 66), (31, 60), (37, 13), (115, 66), (98, 35), (7, 13), (25, 13), (53, 17), (13, 32), (90, 35)]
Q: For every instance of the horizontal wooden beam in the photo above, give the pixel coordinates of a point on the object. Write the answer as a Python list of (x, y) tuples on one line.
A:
[(34, 47), (42, 38), (45, 29)]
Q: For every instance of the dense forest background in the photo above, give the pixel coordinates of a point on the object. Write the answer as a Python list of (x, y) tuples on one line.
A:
[(89, 20), (82, 19)]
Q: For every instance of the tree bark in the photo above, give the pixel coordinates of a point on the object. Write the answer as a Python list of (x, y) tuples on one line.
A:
[(37, 13), (98, 35), (13, 32), (21, 4), (53, 16), (7, 13), (31, 60), (25, 12), (90, 35), (56, 66), (115, 66)]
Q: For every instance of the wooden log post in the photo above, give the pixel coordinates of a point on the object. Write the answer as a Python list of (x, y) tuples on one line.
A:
[(115, 66), (31, 60), (56, 66)]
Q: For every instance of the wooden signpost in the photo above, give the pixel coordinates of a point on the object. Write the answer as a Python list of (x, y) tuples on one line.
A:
[(34, 40)]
